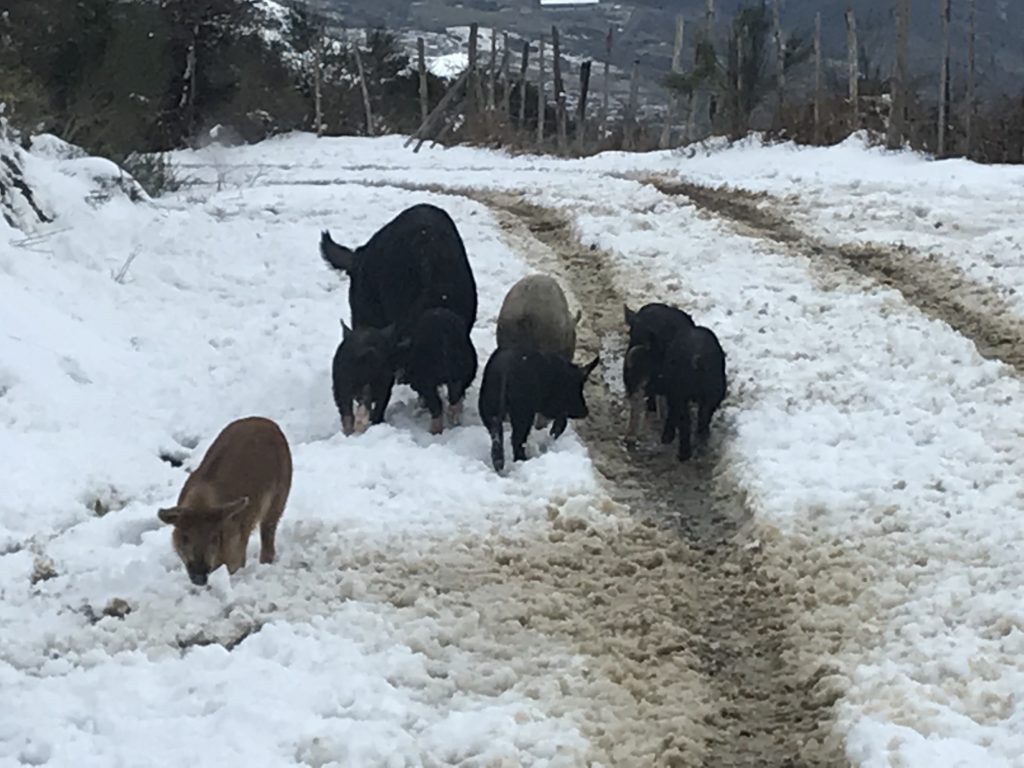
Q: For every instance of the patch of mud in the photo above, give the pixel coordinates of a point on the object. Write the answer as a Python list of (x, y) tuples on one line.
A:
[(772, 687), (938, 289)]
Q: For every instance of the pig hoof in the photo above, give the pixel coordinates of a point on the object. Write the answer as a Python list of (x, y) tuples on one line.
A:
[(436, 426), (347, 426)]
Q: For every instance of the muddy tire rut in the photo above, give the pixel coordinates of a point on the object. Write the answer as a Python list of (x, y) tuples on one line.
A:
[(772, 688), (939, 290)]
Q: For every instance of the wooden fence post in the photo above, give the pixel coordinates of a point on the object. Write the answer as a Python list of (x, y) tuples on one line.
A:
[(492, 74), (437, 114), (854, 69), (780, 62), (363, 88), (421, 63), (318, 76), (506, 92), (541, 105), (673, 101), (940, 150), (581, 118), (522, 84), (709, 31), (900, 91), (969, 112), (474, 73), (605, 102), (556, 71), (629, 133), (817, 78)]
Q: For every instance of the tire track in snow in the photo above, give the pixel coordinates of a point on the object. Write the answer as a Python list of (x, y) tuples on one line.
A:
[(940, 291), (773, 701)]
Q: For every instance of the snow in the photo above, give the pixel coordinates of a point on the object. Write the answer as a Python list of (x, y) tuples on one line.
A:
[(857, 428), (954, 211), (222, 314), (449, 65)]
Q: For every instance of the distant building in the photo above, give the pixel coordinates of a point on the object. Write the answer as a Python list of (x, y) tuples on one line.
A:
[(566, 3)]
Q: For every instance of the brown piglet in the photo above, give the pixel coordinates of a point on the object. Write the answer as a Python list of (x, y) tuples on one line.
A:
[(243, 481)]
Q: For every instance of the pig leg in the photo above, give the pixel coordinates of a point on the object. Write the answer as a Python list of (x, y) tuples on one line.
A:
[(540, 422), (268, 530), (497, 432), (348, 422), (362, 418), (433, 400), (456, 395), (520, 431), (704, 413), (668, 429), (635, 401), (685, 451), (649, 395), (558, 426), (381, 398)]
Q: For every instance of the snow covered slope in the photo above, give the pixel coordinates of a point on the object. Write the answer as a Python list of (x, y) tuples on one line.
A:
[(871, 438)]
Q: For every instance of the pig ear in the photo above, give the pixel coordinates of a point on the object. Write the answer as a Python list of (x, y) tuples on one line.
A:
[(576, 319), (170, 515), (589, 367), (345, 330), (233, 508), (629, 314)]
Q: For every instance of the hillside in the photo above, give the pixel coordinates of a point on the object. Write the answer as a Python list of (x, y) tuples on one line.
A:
[(644, 30)]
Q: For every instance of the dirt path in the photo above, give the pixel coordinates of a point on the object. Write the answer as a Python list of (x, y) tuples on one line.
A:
[(941, 291), (772, 697)]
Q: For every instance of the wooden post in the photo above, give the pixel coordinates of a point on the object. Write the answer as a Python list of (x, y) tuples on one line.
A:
[(556, 71), (318, 73), (940, 150), (522, 84), (900, 91), (540, 93), (854, 69), (363, 88), (432, 119), (474, 73), (421, 63), (738, 108), (780, 62), (581, 117), (492, 73), (629, 133), (506, 89), (709, 31), (605, 103), (817, 78), (673, 100), (969, 112)]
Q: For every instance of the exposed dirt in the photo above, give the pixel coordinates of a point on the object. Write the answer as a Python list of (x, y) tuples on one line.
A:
[(938, 289), (768, 705)]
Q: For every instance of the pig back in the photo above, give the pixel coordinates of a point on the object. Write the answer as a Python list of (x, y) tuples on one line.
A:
[(535, 317), (250, 457)]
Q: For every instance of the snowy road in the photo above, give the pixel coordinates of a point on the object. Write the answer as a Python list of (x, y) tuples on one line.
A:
[(836, 580)]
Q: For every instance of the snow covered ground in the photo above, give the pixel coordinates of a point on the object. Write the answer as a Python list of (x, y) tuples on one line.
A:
[(956, 212), (869, 435)]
